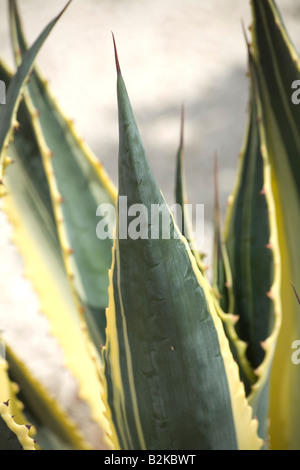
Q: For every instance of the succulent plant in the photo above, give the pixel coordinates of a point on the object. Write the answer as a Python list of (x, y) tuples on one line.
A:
[(164, 357)]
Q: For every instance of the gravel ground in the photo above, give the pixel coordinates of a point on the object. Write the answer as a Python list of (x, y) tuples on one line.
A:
[(171, 52)]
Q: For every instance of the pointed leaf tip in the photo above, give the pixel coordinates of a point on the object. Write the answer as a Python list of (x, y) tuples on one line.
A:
[(116, 56), (182, 126), (64, 9), (245, 35)]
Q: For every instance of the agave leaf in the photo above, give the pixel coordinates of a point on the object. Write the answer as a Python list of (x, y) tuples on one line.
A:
[(78, 185), (182, 200), (171, 380), (29, 208), (223, 294), (14, 92), (15, 433), (48, 416), (32, 235), (13, 436), (253, 251), (222, 278), (277, 66), (9, 394)]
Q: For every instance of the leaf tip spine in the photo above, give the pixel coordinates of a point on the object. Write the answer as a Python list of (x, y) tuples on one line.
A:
[(245, 34), (64, 9), (116, 56), (182, 127)]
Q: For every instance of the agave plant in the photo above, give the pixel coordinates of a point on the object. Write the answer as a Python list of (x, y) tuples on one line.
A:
[(164, 357)]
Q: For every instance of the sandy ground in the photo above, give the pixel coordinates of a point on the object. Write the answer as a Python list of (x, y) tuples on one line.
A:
[(171, 52)]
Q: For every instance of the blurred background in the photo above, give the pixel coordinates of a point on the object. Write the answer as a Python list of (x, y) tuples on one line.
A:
[(172, 52)]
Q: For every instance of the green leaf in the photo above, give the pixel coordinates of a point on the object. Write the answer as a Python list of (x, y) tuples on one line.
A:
[(14, 92), (48, 416), (171, 380), (14, 428), (253, 251), (249, 246), (78, 186), (222, 277), (182, 200), (28, 206), (12, 435), (277, 66)]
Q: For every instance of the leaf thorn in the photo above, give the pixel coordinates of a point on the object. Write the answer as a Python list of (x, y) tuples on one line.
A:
[(116, 56)]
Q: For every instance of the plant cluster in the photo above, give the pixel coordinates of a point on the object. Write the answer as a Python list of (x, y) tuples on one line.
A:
[(164, 357)]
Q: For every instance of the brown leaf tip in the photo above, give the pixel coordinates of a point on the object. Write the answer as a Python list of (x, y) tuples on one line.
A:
[(116, 56), (182, 126)]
